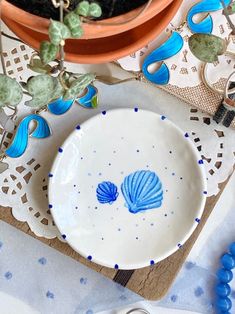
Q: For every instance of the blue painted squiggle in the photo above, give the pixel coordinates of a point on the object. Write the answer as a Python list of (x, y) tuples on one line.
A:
[(142, 190), (170, 48), (106, 192), (20, 141), (205, 6), (60, 106), (85, 100)]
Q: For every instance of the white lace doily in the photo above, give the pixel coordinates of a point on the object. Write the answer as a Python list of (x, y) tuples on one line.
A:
[(184, 67), (24, 185)]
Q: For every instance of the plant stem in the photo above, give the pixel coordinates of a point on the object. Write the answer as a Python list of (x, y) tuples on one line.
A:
[(228, 17), (1, 45), (61, 46)]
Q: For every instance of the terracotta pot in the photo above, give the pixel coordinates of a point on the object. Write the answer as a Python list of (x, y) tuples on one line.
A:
[(99, 30), (101, 50)]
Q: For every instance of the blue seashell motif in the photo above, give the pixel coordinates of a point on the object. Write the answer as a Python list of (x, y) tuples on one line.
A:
[(168, 49), (20, 141), (142, 190), (106, 192), (206, 25)]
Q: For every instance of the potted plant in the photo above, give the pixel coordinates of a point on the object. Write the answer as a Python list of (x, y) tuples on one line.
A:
[(124, 26)]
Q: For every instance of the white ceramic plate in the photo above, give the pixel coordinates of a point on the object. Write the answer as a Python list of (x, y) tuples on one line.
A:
[(127, 188)]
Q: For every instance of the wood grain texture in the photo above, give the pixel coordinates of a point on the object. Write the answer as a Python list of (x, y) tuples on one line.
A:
[(151, 282)]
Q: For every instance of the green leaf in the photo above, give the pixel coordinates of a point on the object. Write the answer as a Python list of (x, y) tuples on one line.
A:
[(95, 10), (82, 8), (48, 52), (43, 89), (10, 91), (36, 65), (78, 85), (207, 47), (74, 24), (57, 32), (231, 8), (94, 102)]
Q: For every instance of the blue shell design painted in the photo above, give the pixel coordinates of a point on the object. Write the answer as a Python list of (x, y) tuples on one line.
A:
[(206, 25), (60, 106), (107, 192), (170, 48), (20, 141), (142, 190), (86, 99)]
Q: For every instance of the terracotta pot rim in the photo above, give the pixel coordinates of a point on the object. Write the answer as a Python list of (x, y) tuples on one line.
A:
[(166, 15), (36, 22)]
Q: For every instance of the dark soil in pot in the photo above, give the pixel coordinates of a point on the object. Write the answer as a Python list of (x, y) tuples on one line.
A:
[(110, 8)]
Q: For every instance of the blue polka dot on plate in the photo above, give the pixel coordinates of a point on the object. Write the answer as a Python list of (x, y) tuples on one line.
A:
[(198, 292), (8, 275), (174, 298), (60, 150), (83, 281), (42, 261), (50, 295)]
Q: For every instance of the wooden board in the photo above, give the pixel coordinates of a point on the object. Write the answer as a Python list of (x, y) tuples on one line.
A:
[(153, 282)]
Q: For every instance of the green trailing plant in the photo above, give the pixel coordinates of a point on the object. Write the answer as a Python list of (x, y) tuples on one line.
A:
[(53, 81), (207, 47)]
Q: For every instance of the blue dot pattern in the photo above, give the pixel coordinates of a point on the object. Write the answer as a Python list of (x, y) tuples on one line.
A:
[(197, 220), (8, 275), (152, 262), (60, 150), (186, 135), (50, 295), (116, 266), (136, 109), (200, 162), (89, 257), (163, 117), (42, 261), (78, 127), (64, 236), (198, 292), (50, 175), (83, 281), (174, 298), (104, 113), (50, 206)]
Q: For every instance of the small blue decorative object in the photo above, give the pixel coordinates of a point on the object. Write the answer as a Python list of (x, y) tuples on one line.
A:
[(223, 303), (20, 141), (228, 261), (206, 25), (86, 100), (106, 192), (225, 275), (142, 190), (60, 106), (170, 48), (223, 290)]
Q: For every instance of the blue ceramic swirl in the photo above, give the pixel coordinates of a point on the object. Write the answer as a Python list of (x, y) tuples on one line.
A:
[(142, 190), (205, 6), (20, 141), (170, 48)]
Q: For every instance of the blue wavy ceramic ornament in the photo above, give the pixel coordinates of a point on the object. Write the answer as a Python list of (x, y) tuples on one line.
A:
[(142, 190), (86, 100), (106, 192), (206, 25), (60, 106), (170, 48), (20, 141)]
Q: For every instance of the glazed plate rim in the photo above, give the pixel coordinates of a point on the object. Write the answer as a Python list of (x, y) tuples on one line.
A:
[(199, 212)]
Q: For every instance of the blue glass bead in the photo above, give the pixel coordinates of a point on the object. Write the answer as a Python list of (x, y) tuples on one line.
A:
[(223, 304), (222, 290), (228, 261), (224, 275), (232, 248)]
